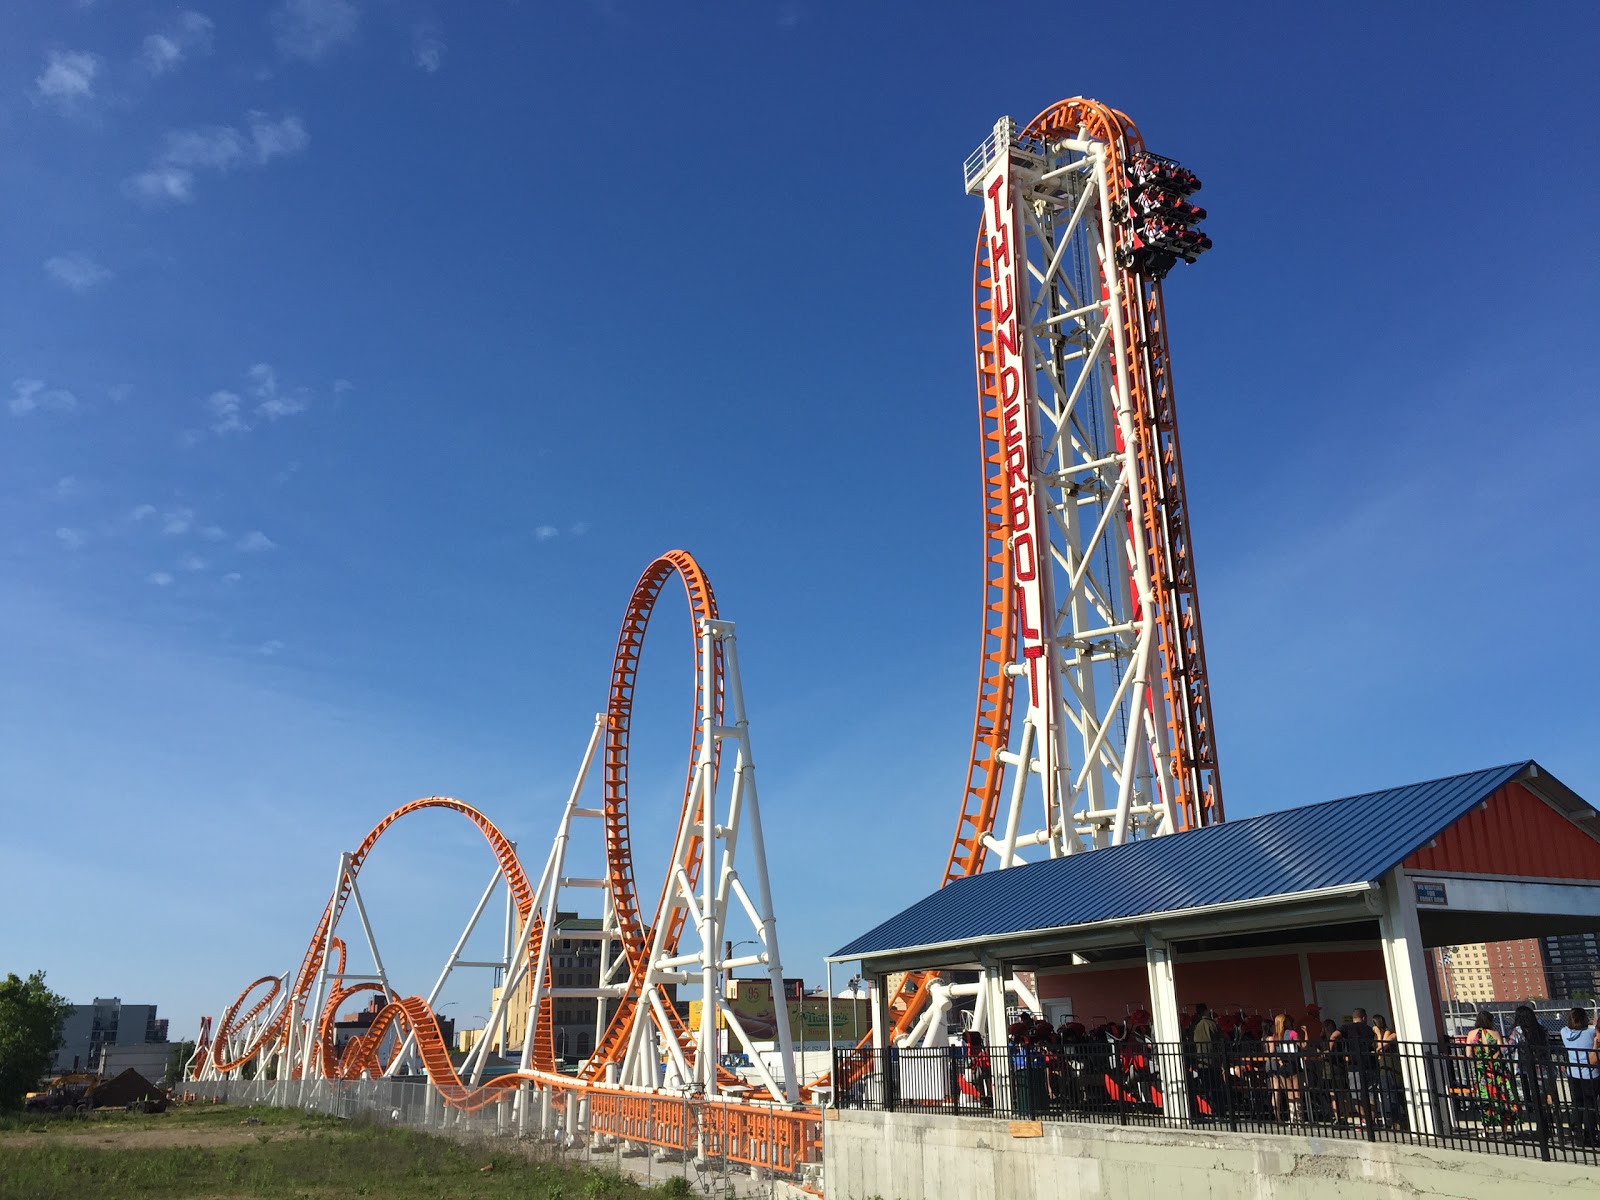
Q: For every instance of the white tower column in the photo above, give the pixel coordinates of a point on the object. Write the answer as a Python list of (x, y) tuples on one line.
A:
[(1407, 974)]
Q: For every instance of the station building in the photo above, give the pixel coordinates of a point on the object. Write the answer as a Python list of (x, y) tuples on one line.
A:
[(1333, 905), (1318, 909)]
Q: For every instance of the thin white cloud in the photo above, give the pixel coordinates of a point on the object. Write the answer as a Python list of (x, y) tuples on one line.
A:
[(580, 528), (66, 487), (261, 399), (67, 80), (192, 562), (177, 522), (142, 512), (232, 577), (221, 148), (71, 539), (76, 272), (273, 403), (341, 386), (189, 34), (31, 395), (545, 532), (263, 379), (269, 648), (276, 139), (160, 53), (254, 542), (227, 412), (213, 533), (159, 578), (215, 147), (310, 29), (275, 407), (161, 185), (427, 48)]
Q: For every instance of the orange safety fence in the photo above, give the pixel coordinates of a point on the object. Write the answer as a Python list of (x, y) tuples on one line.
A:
[(766, 1137)]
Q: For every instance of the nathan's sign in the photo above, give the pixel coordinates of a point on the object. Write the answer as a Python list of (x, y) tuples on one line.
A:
[(808, 1018)]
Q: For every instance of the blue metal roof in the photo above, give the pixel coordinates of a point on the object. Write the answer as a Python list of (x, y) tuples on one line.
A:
[(1336, 843)]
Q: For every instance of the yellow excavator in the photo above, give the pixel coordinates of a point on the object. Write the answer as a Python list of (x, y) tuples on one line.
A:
[(72, 1092)]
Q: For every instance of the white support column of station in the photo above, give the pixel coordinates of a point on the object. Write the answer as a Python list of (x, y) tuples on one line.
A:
[(1400, 933), (1165, 1020)]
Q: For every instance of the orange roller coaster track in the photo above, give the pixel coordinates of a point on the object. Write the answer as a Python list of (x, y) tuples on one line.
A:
[(635, 934), (295, 1019), (235, 1045)]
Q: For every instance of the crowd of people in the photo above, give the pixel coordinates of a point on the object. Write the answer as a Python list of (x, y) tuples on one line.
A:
[(1297, 1070), (1518, 1078)]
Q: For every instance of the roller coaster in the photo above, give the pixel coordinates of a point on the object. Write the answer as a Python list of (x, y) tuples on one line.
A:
[(1092, 725)]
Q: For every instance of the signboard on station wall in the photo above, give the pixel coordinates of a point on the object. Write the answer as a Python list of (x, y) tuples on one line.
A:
[(751, 1001), (1432, 891)]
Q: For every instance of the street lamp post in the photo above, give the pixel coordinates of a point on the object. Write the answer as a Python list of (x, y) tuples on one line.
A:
[(1445, 964)]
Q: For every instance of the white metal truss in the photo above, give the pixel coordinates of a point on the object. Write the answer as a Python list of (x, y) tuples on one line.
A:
[(300, 1053), (719, 913), (1088, 668), (724, 905)]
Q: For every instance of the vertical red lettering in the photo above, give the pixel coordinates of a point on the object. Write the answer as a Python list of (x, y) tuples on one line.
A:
[(1025, 563), (1010, 385)]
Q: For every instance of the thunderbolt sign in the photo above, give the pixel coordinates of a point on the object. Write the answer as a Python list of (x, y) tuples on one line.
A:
[(1010, 370)]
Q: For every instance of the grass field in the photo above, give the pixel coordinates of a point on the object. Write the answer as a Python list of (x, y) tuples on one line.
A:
[(221, 1153)]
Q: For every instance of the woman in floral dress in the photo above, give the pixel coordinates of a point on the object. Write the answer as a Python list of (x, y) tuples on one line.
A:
[(1491, 1081)]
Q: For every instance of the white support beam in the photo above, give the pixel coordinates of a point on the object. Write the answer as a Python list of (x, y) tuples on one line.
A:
[(878, 994), (1407, 975), (995, 1032), (1166, 1022)]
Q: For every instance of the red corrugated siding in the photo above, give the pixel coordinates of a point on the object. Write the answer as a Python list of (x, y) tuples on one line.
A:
[(1514, 833)]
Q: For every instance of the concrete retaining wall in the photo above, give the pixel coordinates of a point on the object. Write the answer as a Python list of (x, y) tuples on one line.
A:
[(900, 1156)]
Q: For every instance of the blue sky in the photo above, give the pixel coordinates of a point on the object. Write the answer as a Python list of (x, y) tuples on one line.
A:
[(356, 355)]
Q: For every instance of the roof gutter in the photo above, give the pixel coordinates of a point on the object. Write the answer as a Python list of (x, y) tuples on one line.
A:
[(1234, 906)]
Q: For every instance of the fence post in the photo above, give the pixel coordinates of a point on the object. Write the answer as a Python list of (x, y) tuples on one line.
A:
[(1122, 1090), (1542, 1075), (1227, 1086), (1370, 1094)]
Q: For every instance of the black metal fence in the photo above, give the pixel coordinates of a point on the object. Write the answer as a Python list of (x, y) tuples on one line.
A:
[(1494, 1099)]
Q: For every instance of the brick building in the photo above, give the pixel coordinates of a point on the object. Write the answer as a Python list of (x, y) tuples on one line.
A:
[(1487, 972), (1463, 973), (1516, 970)]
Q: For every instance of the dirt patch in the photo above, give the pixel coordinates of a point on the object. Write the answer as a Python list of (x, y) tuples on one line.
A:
[(154, 1136)]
